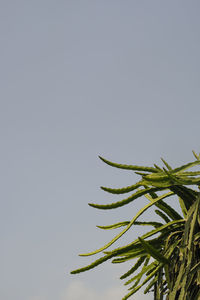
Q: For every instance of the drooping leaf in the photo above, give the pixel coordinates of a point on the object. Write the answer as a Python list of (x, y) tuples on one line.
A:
[(93, 265), (164, 206), (141, 211), (134, 268), (145, 269), (144, 236), (124, 201), (162, 215), (144, 282), (150, 285), (153, 252), (187, 195)]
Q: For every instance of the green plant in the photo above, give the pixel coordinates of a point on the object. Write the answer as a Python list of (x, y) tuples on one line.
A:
[(167, 257)]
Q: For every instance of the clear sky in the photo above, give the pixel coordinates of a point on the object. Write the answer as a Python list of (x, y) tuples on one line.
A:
[(79, 79)]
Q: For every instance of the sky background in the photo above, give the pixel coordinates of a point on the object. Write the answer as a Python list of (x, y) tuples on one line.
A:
[(81, 79)]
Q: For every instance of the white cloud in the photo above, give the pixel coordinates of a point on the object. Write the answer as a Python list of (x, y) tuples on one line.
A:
[(77, 290)]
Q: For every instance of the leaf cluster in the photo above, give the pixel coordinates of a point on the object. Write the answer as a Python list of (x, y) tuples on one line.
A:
[(166, 258)]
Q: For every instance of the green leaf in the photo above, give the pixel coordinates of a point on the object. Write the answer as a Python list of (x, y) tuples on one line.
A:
[(128, 167), (169, 211), (195, 268), (92, 265), (197, 236), (186, 166), (164, 179), (177, 233), (182, 205), (195, 155), (122, 190), (161, 181), (186, 194), (173, 293), (129, 256), (183, 180), (162, 215), (146, 235), (190, 173), (141, 211), (150, 285), (124, 201), (114, 226), (174, 179), (164, 207), (166, 164), (125, 223), (134, 268), (153, 252), (158, 168), (144, 282), (141, 173), (139, 276), (145, 268), (193, 223)]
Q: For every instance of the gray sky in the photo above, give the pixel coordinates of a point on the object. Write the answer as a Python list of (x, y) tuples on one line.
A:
[(79, 79)]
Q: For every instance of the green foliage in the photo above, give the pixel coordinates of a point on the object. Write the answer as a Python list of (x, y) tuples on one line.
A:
[(168, 256)]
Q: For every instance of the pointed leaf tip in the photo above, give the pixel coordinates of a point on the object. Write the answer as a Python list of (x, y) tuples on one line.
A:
[(166, 164), (195, 155)]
